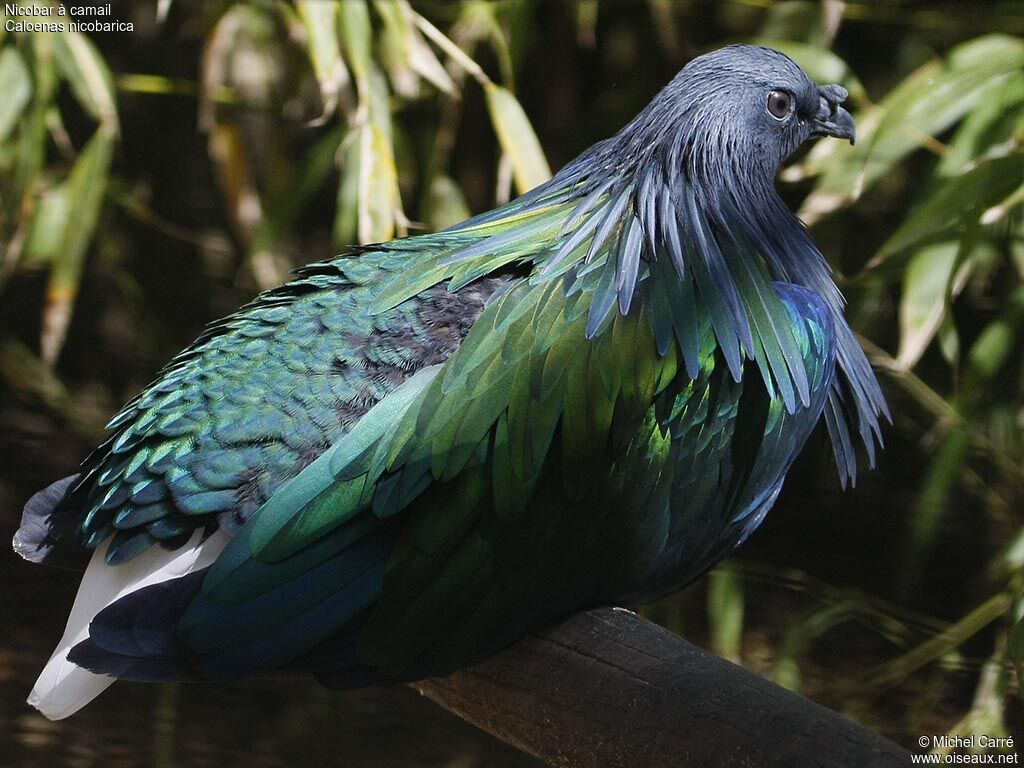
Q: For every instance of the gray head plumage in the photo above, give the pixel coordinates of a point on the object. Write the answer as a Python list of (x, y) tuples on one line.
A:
[(714, 120)]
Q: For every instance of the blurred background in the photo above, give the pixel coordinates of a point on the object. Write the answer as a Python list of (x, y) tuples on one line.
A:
[(151, 181)]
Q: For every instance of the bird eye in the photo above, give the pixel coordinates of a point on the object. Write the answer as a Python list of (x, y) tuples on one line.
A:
[(779, 104)]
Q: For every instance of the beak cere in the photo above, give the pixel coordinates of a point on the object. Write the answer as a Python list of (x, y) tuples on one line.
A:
[(832, 119)]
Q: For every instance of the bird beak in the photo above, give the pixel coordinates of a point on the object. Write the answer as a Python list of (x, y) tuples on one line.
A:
[(832, 119), (840, 125)]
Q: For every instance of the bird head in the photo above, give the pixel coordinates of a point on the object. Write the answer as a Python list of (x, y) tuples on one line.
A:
[(735, 115)]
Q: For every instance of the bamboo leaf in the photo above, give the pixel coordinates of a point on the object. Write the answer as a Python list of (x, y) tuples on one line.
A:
[(235, 174), (81, 64), (378, 102), (16, 87), (990, 127), (380, 203), (87, 185), (1015, 647), (163, 7), (958, 202), (378, 184), (320, 20), (995, 343), (394, 48), (935, 647), (517, 138), (21, 177), (454, 52), (949, 341), (930, 100), (357, 38), (395, 20), (926, 288), (587, 12), (48, 225), (725, 611), (346, 214), (408, 55), (243, 61), (425, 63)]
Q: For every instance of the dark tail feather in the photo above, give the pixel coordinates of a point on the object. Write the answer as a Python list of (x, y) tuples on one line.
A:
[(47, 532), (134, 638)]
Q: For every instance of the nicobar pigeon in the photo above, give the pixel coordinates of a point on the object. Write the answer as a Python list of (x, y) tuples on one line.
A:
[(414, 454)]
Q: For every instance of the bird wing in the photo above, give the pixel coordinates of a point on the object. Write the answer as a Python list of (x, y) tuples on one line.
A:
[(265, 391), (249, 405), (420, 512)]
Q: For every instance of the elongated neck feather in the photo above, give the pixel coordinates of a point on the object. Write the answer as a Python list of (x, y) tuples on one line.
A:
[(671, 214), (676, 191)]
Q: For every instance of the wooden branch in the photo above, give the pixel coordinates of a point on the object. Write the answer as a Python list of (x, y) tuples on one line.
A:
[(607, 688)]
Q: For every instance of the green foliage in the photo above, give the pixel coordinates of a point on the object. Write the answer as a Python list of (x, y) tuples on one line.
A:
[(50, 206), (926, 103), (345, 68)]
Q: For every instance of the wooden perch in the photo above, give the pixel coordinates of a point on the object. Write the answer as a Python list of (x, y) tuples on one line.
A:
[(607, 688)]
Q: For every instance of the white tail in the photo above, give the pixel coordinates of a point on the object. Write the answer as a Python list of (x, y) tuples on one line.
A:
[(63, 688)]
